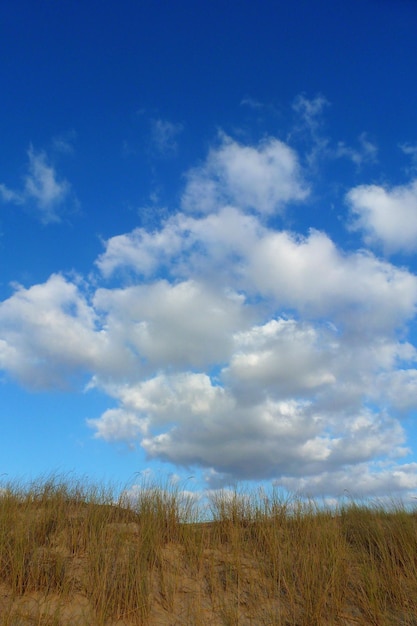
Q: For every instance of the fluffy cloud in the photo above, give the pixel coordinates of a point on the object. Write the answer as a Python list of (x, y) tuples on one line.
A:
[(48, 334), (231, 345), (118, 425), (304, 338), (387, 217), (281, 359), (42, 189), (211, 426), (313, 276), (185, 325), (309, 274), (144, 252), (262, 178)]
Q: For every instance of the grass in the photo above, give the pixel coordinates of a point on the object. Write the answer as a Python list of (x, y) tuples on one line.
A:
[(71, 554)]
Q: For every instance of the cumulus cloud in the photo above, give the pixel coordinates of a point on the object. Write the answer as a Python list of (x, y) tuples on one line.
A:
[(386, 216), (212, 426), (282, 358), (118, 425), (52, 336), (262, 178), (185, 325), (307, 273), (143, 251), (42, 189), (47, 333), (228, 344)]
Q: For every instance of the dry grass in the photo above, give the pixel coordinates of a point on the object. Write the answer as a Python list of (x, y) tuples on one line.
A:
[(71, 556)]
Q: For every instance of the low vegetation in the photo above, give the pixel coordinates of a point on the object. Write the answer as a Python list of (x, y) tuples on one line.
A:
[(71, 554)]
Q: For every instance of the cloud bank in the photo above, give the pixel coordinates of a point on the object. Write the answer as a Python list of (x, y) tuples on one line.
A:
[(234, 346)]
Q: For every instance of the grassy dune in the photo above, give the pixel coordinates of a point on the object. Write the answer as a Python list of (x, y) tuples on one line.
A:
[(71, 555)]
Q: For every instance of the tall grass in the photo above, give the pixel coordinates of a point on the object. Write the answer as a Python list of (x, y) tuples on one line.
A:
[(74, 554)]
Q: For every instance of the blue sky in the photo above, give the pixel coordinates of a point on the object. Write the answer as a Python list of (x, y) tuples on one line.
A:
[(208, 219)]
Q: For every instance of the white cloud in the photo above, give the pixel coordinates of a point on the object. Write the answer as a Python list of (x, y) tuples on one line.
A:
[(43, 186), (359, 481), (64, 143), (289, 397), (310, 274), (164, 136), (207, 425), (387, 217), (231, 345), (140, 250), (399, 389), (366, 153), (410, 150), (118, 425), (310, 111), (8, 195), (262, 178), (48, 334), (42, 190), (310, 128), (316, 278), (281, 359), (185, 325), (252, 103)]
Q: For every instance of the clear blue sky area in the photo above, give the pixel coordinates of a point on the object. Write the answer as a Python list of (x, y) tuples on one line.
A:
[(208, 237)]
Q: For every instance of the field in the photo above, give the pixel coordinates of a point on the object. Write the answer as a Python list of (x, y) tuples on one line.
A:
[(71, 554)]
